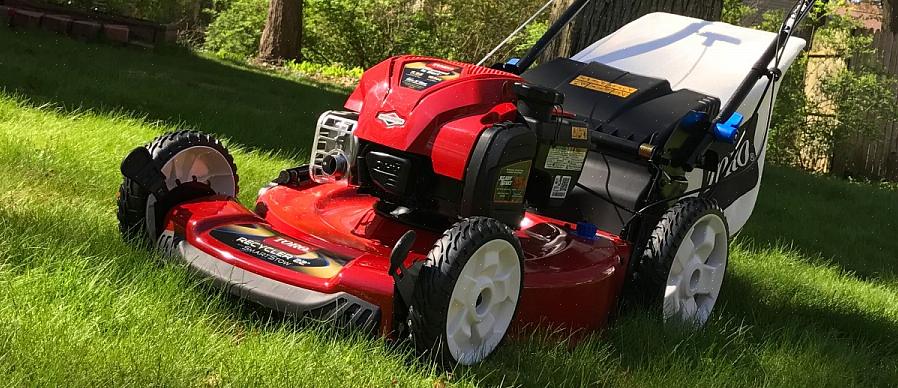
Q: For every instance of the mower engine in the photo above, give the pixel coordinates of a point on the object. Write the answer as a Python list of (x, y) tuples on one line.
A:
[(436, 141)]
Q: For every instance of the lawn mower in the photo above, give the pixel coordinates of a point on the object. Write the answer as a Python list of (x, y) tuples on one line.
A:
[(454, 203)]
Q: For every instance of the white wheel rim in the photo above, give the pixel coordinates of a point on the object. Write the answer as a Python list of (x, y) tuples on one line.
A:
[(201, 164), (697, 272), (483, 302)]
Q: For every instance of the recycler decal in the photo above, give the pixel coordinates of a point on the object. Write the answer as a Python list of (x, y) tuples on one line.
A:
[(262, 243)]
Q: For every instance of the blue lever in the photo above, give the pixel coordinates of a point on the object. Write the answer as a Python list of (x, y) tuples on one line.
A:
[(729, 130)]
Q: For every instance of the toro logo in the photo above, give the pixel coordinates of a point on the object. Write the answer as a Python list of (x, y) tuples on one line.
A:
[(745, 161), (443, 67), (288, 246), (391, 119)]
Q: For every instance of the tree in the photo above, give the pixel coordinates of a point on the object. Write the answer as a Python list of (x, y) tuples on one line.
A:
[(890, 13), (602, 17), (282, 37)]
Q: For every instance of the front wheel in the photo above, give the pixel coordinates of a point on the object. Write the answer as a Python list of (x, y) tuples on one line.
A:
[(682, 266), (194, 165), (468, 292)]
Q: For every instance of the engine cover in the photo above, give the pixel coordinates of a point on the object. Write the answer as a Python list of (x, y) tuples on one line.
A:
[(432, 107)]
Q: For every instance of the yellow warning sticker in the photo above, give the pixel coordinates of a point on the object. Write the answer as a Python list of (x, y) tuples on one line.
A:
[(603, 86), (578, 133)]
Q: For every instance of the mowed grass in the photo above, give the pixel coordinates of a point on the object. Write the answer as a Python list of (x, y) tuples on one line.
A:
[(811, 298)]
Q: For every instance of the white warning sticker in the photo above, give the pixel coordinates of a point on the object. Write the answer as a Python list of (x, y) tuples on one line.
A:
[(560, 187), (565, 158)]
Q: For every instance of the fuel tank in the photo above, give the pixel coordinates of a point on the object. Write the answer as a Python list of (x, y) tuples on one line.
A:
[(432, 107)]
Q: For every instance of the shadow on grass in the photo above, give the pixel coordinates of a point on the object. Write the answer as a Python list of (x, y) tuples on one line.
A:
[(773, 312), (849, 225), (170, 85)]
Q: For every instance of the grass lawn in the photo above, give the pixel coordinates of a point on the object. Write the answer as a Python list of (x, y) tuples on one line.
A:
[(811, 298)]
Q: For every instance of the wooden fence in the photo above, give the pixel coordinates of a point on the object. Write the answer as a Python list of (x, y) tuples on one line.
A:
[(874, 157)]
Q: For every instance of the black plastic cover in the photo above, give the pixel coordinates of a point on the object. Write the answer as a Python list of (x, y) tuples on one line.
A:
[(632, 108), (390, 173), (562, 151), (498, 171)]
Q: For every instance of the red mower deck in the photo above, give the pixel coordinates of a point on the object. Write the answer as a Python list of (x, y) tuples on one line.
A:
[(570, 282)]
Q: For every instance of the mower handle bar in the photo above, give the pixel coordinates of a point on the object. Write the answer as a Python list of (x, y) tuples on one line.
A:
[(605, 142), (547, 38), (761, 67)]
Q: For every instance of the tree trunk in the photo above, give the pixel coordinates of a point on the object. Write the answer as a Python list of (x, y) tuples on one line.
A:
[(602, 17), (890, 16), (282, 37)]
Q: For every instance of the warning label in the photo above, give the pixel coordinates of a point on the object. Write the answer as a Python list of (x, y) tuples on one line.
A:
[(423, 75), (512, 183), (579, 133), (566, 158), (560, 187), (603, 86)]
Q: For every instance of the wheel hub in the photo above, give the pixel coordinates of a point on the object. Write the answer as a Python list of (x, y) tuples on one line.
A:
[(481, 308), (696, 274), (483, 301), (694, 280)]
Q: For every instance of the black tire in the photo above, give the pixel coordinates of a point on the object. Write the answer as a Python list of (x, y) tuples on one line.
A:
[(132, 198), (445, 262), (662, 244)]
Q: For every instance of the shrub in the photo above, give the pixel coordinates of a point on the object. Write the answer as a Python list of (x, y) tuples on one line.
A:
[(364, 32), (735, 11), (357, 33), (237, 28), (361, 33), (333, 73), (862, 100)]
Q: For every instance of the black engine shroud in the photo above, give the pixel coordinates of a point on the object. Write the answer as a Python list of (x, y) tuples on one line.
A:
[(627, 127)]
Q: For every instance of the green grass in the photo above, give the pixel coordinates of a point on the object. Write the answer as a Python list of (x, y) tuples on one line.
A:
[(253, 108), (811, 298)]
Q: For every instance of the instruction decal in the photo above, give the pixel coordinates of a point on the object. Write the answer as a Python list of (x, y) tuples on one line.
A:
[(260, 242), (565, 158), (601, 86), (512, 183), (560, 187), (424, 75)]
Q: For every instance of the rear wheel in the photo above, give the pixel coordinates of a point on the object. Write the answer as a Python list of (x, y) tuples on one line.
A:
[(682, 266), (194, 164), (468, 292)]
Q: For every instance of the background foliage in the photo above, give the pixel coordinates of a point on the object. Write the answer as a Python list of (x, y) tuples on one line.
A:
[(364, 32), (236, 27), (851, 94), (849, 97)]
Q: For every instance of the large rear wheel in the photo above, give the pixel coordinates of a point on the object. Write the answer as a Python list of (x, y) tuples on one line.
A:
[(194, 164), (468, 292), (683, 264)]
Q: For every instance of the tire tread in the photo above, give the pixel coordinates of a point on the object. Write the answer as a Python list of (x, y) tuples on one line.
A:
[(663, 242), (438, 277), (132, 199)]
